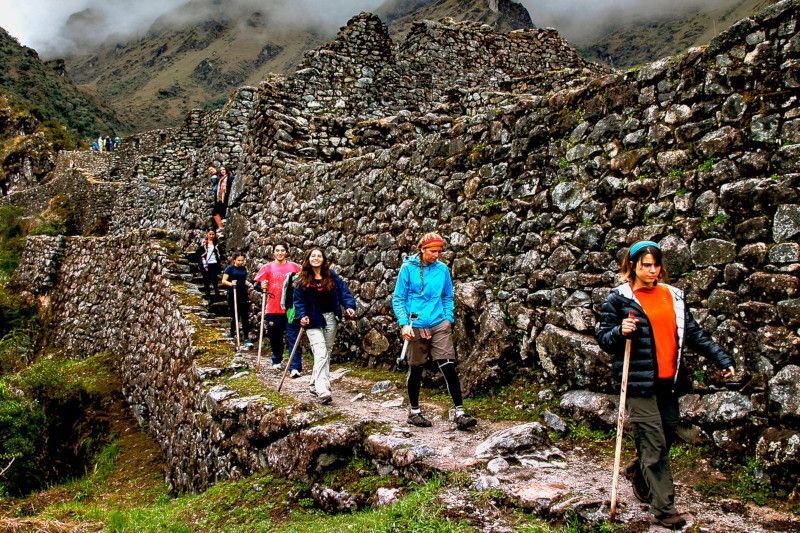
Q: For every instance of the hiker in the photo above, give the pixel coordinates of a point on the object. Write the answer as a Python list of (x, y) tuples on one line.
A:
[(109, 144), (221, 196), (214, 179), (100, 143), (424, 288), (95, 146), (272, 277), (235, 278), (209, 261), (661, 327), (319, 295), (116, 141)]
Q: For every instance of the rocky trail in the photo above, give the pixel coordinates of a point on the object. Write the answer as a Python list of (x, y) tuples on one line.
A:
[(552, 479)]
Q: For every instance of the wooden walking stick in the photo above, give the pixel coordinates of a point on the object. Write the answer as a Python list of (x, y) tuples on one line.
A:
[(291, 357), (620, 423), (261, 329), (236, 314)]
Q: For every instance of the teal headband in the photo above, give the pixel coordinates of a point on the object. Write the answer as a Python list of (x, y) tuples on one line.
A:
[(642, 244)]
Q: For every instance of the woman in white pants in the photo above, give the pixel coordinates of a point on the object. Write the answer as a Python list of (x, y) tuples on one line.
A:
[(319, 296)]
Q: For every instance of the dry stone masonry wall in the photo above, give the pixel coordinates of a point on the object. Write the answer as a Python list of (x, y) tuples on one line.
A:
[(538, 180)]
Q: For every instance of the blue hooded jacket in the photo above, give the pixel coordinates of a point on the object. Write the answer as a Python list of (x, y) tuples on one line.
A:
[(433, 304)]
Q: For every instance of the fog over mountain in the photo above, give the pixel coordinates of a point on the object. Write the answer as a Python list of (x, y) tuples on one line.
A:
[(58, 28)]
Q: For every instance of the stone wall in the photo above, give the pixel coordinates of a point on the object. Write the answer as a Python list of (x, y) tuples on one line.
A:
[(125, 295), (91, 201), (537, 192)]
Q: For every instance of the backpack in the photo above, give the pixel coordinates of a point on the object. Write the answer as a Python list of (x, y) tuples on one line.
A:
[(287, 296)]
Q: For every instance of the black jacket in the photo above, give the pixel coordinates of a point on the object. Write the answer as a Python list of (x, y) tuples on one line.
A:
[(644, 365)]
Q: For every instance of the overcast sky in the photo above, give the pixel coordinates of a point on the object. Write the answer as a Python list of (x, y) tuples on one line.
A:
[(38, 23)]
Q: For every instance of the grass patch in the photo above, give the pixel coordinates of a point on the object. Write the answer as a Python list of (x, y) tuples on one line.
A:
[(516, 401)]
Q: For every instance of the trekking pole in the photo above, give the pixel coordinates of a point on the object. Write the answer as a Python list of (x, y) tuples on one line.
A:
[(261, 329), (236, 314), (291, 357), (401, 360), (620, 423)]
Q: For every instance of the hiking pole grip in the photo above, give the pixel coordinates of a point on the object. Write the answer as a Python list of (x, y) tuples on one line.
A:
[(291, 357), (620, 425)]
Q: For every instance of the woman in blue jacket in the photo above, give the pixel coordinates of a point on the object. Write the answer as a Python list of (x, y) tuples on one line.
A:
[(424, 291), (319, 296)]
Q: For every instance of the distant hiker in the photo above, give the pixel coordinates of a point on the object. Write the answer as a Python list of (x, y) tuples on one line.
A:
[(235, 278), (424, 288), (109, 144), (221, 196), (272, 277), (95, 146), (319, 296), (116, 141), (213, 179), (209, 261), (100, 143), (662, 326)]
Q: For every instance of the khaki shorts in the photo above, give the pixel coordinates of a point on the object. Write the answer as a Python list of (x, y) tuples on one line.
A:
[(439, 345)]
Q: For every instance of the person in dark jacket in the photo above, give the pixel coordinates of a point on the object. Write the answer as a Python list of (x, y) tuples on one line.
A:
[(209, 261), (235, 278), (662, 326), (319, 296), (222, 195)]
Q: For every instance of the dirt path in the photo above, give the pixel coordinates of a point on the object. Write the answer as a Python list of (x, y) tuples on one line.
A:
[(580, 481)]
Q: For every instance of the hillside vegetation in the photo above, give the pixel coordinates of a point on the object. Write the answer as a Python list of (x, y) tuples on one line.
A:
[(48, 95)]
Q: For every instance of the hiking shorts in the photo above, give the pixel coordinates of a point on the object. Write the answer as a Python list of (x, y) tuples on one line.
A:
[(439, 346)]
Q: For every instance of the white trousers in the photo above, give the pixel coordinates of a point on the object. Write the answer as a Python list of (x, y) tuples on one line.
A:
[(321, 342)]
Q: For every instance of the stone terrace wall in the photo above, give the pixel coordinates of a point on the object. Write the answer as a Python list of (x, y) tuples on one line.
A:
[(92, 201), (124, 295), (698, 152)]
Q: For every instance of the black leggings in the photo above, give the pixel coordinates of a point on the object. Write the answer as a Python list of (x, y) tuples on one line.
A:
[(448, 370)]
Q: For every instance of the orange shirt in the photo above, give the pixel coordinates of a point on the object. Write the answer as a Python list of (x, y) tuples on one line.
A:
[(660, 311)]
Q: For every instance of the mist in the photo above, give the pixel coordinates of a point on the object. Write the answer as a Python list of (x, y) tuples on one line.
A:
[(58, 28), (43, 24), (577, 20)]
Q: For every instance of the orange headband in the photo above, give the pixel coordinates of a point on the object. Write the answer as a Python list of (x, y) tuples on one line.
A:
[(431, 242)]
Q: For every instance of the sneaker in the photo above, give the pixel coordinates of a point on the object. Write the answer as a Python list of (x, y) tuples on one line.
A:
[(464, 421), (634, 474), (276, 366), (248, 344), (294, 373), (325, 398), (230, 336), (672, 521), (312, 391), (416, 419)]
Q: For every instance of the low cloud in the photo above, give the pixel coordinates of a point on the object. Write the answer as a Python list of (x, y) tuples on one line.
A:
[(582, 19), (46, 25), (60, 28)]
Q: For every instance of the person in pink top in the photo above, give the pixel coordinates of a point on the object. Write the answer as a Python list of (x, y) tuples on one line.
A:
[(272, 277)]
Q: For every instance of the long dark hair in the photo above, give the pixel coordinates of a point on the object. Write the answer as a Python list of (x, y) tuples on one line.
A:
[(307, 272), (627, 267)]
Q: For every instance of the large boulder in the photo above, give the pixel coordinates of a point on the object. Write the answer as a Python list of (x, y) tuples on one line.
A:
[(779, 450), (514, 441), (299, 454), (596, 409), (573, 358), (717, 408), (784, 393)]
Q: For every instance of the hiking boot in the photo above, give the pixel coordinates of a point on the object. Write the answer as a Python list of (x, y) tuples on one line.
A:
[(416, 419), (464, 421), (633, 473), (672, 521), (325, 398), (294, 373)]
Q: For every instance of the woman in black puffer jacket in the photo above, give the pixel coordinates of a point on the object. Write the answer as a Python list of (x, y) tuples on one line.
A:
[(661, 327)]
